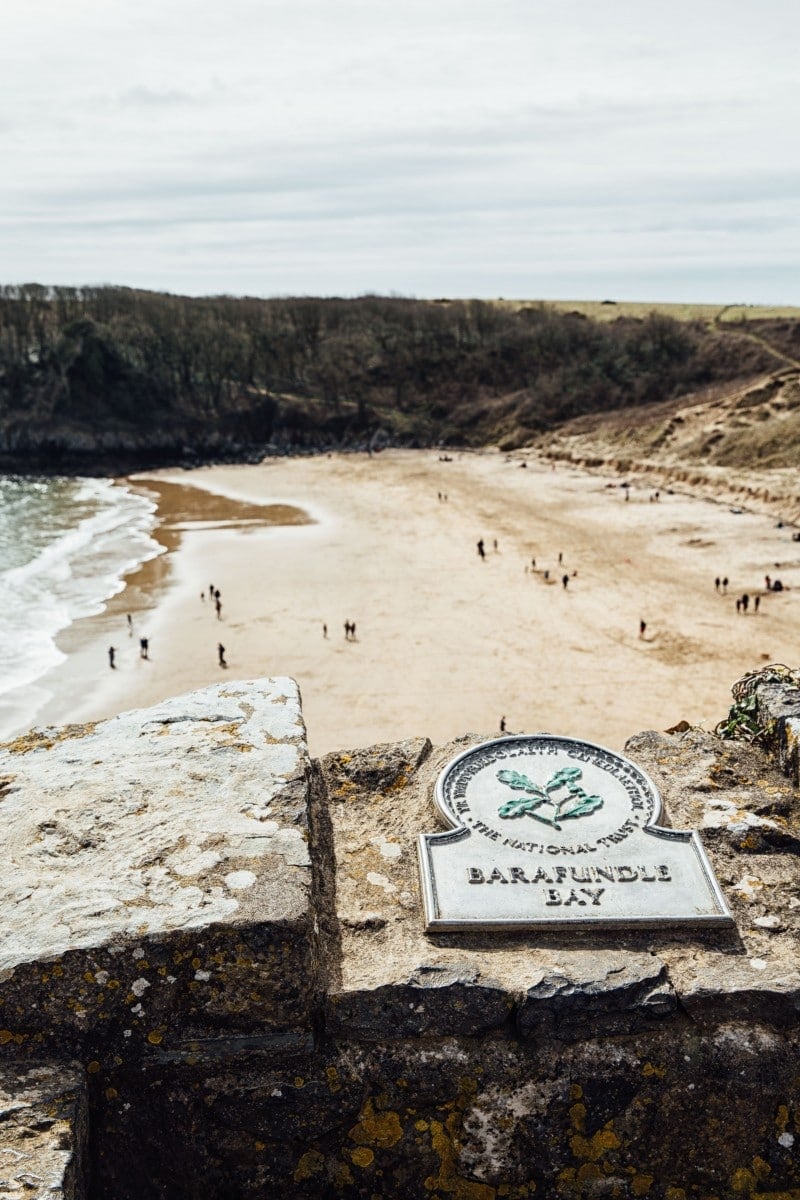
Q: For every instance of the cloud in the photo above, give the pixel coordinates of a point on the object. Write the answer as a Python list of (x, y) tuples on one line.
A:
[(415, 147), (144, 97)]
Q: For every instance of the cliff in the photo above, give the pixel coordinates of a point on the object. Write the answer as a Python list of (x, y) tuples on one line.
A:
[(216, 980), (113, 379)]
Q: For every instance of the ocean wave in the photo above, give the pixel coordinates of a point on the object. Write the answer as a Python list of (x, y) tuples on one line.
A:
[(70, 549)]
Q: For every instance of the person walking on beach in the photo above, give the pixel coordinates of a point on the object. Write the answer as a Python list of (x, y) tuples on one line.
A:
[(725, 586), (324, 630), (144, 647), (739, 606), (642, 628), (756, 603), (352, 630), (130, 625), (221, 654), (564, 581), (716, 584), (111, 653), (503, 724), (481, 551), (218, 606), (211, 591), (745, 603)]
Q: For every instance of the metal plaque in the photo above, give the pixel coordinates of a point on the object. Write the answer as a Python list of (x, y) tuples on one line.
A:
[(548, 832)]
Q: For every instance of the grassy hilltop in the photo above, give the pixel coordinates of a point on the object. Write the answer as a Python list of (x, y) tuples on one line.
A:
[(611, 310), (90, 376)]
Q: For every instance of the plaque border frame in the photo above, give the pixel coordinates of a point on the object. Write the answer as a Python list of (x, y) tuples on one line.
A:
[(434, 923)]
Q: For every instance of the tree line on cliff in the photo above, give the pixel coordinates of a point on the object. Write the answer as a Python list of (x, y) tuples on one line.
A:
[(117, 366)]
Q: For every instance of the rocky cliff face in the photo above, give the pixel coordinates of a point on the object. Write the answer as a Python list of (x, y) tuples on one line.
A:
[(216, 981)]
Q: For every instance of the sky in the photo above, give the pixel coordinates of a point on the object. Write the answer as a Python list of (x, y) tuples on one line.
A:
[(536, 149)]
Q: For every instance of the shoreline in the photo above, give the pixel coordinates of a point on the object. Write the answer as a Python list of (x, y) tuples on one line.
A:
[(179, 506), (445, 642)]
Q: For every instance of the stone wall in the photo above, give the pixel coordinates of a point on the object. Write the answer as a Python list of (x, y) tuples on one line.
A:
[(215, 980)]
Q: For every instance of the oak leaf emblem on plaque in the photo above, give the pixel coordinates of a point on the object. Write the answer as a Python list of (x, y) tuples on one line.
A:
[(542, 802)]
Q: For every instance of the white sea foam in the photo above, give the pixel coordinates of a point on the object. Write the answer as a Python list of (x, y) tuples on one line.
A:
[(65, 547)]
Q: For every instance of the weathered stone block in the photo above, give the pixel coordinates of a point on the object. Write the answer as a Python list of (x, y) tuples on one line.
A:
[(43, 1131), (381, 962), (158, 877), (778, 708), (231, 942), (588, 994)]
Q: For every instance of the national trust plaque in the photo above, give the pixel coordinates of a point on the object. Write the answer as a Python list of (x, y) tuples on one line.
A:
[(551, 832)]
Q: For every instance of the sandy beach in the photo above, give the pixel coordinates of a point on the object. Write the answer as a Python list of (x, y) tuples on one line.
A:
[(446, 642)]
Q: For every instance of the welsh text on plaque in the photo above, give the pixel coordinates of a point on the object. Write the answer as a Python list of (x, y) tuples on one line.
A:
[(548, 831)]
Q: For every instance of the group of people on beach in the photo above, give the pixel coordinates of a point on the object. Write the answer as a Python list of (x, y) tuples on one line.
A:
[(214, 595), (743, 601), (349, 630), (565, 578), (144, 645)]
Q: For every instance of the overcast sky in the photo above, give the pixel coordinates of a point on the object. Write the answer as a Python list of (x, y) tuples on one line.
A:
[(629, 149)]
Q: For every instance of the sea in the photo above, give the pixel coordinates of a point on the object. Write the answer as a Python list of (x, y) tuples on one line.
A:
[(66, 545)]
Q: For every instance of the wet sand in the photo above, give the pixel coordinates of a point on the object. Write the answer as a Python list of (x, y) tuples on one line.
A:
[(445, 642)]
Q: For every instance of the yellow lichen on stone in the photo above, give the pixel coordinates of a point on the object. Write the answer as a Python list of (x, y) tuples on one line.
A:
[(654, 1069), (93, 1067), (400, 782), (743, 1180), (37, 740), (577, 1115), (782, 1117), (155, 1037), (761, 1168), (362, 1156), (448, 1179), (674, 1193), (332, 1076), (575, 1091), (342, 1176), (596, 1146), (641, 1184), (376, 1128), (567, 1180), (310, 1164)]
